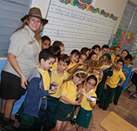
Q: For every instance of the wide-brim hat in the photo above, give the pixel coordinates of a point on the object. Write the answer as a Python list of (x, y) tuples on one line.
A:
[(35, 12)]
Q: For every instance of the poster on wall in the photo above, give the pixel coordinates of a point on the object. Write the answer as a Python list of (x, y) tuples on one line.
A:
[(78, 24)]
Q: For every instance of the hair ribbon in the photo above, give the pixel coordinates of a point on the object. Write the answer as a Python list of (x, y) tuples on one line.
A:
[(81, 72)]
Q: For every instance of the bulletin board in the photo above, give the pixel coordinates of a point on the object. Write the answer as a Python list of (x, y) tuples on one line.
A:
[(78, 27)]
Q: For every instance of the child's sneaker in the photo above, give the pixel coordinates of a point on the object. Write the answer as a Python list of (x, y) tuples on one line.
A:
[(18, 117), (73, 121), (131, 93), (135, 95)]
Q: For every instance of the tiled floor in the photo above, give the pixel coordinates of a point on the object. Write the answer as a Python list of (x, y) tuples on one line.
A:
[(126, 108)]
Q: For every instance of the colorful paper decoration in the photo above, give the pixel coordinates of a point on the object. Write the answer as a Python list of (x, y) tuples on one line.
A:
[(129, 34), (120, 42), (122, 39), (111, 40), (126, 42), (123, 36), (133, 34), (131, 39), (124, 32), (84, 6)]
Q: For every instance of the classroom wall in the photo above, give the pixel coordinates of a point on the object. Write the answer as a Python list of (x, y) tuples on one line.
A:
[(116, 7), (134, 1), (112, 6)]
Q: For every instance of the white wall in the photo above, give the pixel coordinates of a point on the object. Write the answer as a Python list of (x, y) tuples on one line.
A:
[(112, 6), (43, 5), (116, 7)]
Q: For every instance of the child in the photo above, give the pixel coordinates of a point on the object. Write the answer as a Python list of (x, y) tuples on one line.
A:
[(45, 42), (92, 56), (62, 48), (87, 105), (104, 50), (111, 84), (111, 51), (116, 52), (60, 44), (99, 76), (97, 73), (68, 99), (96, 49), (124, 53), (106, 73), (116, 59), (127, 71), (58, 75), (56, 51), (85, 50), (82, 58), (74, 56), (38, 88)]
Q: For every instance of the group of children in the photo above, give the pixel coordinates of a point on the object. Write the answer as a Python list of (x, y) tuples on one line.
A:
[(61, 85)]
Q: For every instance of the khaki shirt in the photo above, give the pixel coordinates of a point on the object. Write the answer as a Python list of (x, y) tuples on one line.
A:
[(26, 49)]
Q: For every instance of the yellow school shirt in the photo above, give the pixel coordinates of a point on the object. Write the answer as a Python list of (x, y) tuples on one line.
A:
[(85, 103), (54, 66), (113, 58), (98, 81), (81, 67), (59, 79), (115, 78), (69, 90), (46, 78), (99, 56), (71, 65)]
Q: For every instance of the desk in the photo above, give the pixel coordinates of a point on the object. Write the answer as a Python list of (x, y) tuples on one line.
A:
[(113, 122)]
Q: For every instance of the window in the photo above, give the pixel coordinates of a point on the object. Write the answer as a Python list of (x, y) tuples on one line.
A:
[(11, 11)]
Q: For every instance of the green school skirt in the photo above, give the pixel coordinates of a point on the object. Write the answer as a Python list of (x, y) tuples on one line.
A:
[(84, 117), (65, 112)]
